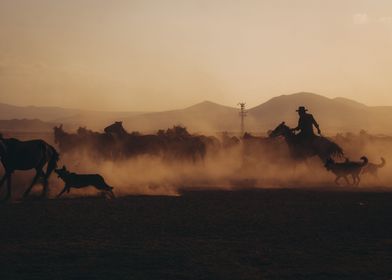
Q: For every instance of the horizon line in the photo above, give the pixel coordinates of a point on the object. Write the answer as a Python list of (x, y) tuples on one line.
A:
[(187, 106)]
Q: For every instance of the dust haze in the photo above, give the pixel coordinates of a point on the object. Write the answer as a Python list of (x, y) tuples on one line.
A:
[(241, 166)]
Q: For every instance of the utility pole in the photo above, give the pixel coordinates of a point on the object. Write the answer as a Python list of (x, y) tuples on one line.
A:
[(242, 115)]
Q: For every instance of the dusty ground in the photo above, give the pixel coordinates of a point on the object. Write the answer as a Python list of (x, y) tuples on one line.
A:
[(259, 234)]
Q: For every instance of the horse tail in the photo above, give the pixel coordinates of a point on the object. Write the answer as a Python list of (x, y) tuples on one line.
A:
[(53, 156), (365, 160)]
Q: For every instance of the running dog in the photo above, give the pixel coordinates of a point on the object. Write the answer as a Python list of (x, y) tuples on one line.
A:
[(372, 168), (344, 169), (73, 180)]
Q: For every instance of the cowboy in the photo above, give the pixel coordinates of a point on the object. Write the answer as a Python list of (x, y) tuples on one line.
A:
[(305, 124)]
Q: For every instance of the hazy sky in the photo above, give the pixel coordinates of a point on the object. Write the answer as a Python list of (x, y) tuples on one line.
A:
[(167, 54)]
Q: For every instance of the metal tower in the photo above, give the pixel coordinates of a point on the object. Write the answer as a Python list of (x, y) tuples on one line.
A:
[(242, 115)]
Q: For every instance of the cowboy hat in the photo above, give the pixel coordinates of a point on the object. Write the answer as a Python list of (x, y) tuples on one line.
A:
[(301, 109)]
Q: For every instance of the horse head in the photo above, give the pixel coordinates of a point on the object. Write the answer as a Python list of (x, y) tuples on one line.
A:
[(83, 131), (281, 130), (247, 135), (58, 133)]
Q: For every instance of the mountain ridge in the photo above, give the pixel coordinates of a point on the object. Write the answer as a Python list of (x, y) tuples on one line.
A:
[(333, 114)]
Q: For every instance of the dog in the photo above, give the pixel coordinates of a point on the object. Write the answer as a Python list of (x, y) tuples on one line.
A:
[(343, 169), (372, 168), (73, 180)]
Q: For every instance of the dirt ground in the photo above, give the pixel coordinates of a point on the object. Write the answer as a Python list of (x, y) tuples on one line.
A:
[(248, 234)]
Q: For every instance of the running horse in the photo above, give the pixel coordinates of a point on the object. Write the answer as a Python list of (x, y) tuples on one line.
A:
[(26, 155), (301, 149)]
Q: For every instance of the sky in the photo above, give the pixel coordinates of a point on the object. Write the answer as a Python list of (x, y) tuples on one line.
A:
[(145, 55)]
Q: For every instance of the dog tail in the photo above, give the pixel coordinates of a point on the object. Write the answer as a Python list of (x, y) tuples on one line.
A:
[(382, 164), (365, 160)]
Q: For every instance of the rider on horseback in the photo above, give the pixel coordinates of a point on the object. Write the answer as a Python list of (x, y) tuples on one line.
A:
[(306, 144), (305, 124)]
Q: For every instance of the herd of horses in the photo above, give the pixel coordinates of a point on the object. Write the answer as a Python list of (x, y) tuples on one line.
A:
[(172, 144), (178, 144), (117, 144)]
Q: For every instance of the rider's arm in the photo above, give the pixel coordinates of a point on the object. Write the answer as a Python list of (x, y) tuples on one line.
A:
[(316, 125), (298, 126)]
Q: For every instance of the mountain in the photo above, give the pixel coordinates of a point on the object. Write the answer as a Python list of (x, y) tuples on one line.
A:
[(333, 114), (26, 125), (32, 112), (71, 117), (95, 120), (202, 117), (349, 102)]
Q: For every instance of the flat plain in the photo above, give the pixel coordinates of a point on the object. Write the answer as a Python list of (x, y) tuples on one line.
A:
[(201, 234)]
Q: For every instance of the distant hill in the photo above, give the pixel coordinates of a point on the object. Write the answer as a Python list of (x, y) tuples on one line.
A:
[(8, 112), (25, 125), (72, 117), (202, 117), (94, 119), (333, 114)]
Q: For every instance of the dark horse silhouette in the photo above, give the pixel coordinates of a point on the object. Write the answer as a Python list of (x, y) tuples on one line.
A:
[(116, 128), (25, 155), (301, 149), (117, 144), (66, 142)]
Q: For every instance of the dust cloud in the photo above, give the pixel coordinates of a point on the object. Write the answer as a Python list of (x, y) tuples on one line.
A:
[(242, 166), (237, 167)]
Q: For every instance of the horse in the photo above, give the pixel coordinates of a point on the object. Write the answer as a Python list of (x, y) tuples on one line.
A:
[(182, 145), (301, 149), (26, 155), (117, 144), (229, 142), (116, 128), (174, 143), (67, 142)]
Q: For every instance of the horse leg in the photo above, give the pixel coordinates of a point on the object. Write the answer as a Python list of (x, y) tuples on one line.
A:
[(45, 183), (37, 175), (45, 188), (51, 166), (8, 196), (3, 180)]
